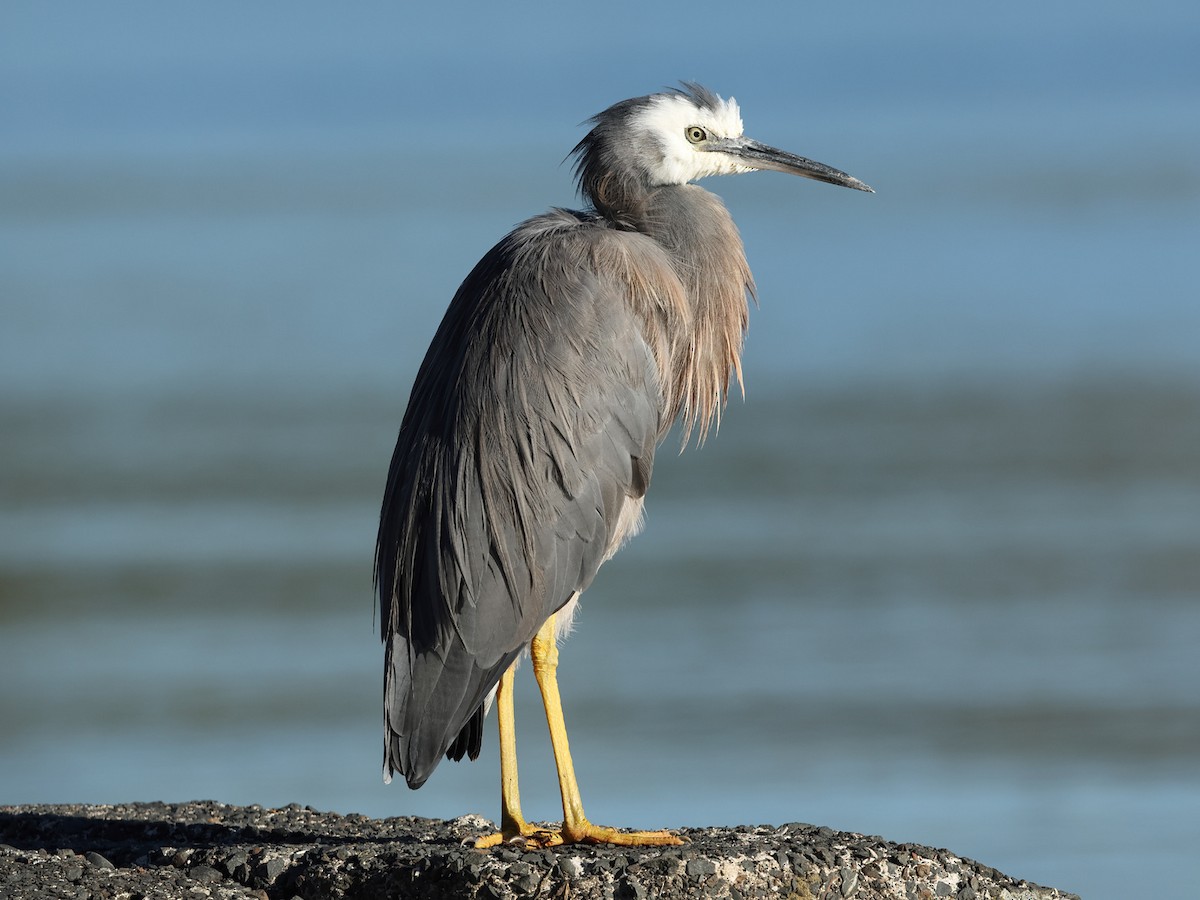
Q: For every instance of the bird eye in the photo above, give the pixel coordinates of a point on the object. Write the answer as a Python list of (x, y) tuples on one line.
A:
[(695, 134)]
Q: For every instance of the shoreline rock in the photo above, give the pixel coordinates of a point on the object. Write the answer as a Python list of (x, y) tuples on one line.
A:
[(207, 849)]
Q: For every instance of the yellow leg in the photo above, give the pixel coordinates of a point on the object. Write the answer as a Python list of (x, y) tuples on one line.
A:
[(511, 820), (576, 828), (512, 823)]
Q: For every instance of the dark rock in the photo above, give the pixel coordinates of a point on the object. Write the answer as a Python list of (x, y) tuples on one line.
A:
[(273, 868), (570, 867), (190, 850), (630, 888), (526, 884), (97, 860), (204, 874), (235, 861), (698, 868)]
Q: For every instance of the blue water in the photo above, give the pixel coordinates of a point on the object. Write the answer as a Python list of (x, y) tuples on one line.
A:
[(936, 578)]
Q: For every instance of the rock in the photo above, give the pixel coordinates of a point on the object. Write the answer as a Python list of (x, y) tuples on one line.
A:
[(570, 866), (97, 860), (699, 867), (204, 874), (205, 849)]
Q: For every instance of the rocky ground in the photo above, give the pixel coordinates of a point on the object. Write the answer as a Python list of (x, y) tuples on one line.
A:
[(193, 851)]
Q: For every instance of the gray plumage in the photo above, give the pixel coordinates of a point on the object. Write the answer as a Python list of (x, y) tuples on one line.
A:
[(528, 443)]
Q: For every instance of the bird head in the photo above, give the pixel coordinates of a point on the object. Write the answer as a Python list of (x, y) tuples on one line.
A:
[(683, 135)]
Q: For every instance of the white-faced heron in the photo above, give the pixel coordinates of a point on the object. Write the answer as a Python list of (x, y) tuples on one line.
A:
[(525, 452)]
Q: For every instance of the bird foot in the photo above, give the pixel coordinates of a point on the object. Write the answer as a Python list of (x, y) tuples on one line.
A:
[(579, 833), (601, 834)]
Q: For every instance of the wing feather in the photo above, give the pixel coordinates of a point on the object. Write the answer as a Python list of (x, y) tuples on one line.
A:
[(532, 423)]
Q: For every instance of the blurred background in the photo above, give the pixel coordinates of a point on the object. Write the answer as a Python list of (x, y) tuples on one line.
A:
[(936, 578)]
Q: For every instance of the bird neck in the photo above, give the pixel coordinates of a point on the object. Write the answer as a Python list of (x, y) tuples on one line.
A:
[(696, 231)]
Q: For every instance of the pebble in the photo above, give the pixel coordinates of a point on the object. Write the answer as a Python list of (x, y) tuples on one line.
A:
[(849, 881), (631, 889), (235, 861), (698, 868), (273, 868), (527, 884), (204, 874), (570, 866)]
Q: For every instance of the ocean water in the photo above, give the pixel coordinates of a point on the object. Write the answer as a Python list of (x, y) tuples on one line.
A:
[(936, 578)]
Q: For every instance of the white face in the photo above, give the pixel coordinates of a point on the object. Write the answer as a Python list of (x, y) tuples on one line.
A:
[(671, 120)]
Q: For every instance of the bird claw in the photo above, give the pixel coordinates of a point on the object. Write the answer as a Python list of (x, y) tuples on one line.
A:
[(523, 836)]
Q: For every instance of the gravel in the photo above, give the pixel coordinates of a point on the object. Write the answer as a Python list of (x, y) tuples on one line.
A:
[(192, 851)]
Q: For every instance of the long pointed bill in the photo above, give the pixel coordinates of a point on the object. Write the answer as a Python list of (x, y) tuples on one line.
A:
[(762, 156)]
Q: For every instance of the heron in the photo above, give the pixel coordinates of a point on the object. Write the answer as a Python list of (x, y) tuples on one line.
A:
[(525, 452)]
